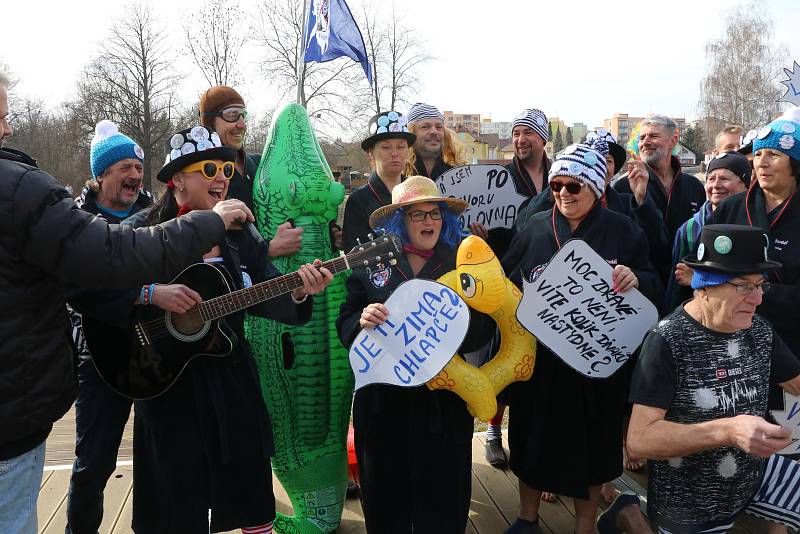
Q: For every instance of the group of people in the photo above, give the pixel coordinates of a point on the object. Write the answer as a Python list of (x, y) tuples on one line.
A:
[(693, 402)]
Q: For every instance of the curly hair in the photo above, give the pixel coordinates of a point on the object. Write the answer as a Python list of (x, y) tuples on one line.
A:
[(451, 232), (452, 151)]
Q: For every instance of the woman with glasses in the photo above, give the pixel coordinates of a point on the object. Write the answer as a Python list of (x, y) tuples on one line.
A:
[(413, 444), (205, 443), (770, 204), (565, 430), (222, 109)]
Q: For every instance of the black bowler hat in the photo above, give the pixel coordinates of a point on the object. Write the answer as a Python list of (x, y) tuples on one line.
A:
[(387, 125), (190, 146), (732, 249)]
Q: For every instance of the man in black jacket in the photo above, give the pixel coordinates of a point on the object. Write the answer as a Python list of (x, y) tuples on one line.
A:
[(436, 149), (46, 242), (100, 413), (676, 194)]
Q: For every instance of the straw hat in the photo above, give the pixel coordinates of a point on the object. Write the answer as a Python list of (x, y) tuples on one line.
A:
[(414, 190)]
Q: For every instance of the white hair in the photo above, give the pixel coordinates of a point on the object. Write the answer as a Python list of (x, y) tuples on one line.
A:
[(661, 120)]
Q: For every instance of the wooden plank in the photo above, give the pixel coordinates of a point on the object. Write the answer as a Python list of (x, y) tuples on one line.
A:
[(118, 489), (283, 504), (483, 513), (352, 517), (552, 516), (124, 522), (52, 505), (498, 486)]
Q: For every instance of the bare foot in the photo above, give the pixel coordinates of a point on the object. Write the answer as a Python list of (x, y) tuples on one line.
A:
[(629, 463), (608, 491), (549, 497)]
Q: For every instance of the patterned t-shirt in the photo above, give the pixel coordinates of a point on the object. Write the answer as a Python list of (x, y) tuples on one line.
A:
[(699, 375)]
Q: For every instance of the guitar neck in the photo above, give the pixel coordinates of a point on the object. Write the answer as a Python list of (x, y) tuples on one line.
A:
[(257, 293)]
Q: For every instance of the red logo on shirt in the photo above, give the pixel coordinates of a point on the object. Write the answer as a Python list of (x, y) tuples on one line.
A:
[(722, 373)]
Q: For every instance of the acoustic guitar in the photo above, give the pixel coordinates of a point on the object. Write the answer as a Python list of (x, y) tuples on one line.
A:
[(146, 359)]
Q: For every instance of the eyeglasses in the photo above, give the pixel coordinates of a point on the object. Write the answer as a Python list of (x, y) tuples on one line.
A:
[(747, 288), (209, 169), (419, 216), (228, 114), (573, 188)]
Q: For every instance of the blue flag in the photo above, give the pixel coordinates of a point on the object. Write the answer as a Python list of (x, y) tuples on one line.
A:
[(332, 32)]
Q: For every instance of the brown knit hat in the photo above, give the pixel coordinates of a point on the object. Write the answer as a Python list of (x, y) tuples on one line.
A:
[(215, 99)]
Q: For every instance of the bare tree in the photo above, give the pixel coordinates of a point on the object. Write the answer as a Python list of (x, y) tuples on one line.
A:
[(397, 54), (215, 35), (132, 83), (329, 90), (743, 69)]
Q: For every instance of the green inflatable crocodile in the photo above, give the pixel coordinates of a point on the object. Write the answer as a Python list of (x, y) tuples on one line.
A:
[(305, 373)]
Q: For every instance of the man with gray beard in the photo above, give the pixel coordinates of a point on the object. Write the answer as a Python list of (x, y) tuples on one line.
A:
[(676, 194)]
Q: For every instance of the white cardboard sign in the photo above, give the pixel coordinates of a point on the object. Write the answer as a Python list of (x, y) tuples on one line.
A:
[(426, 325), (572, 308), (489, 191), (789, 419)]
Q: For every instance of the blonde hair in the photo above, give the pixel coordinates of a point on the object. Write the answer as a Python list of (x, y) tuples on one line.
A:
[(735, 130), (452, 151)]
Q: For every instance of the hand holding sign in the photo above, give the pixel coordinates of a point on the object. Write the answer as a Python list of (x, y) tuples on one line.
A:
[(488, 189), (573, 308), (423, 324)]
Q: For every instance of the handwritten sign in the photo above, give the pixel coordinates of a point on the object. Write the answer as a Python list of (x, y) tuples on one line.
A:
[(789, 418), (427, 323), (489, 191), (792, 94), (572, 308)]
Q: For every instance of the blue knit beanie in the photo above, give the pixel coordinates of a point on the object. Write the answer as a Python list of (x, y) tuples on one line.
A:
[(782, 134), (701, 279), (109, 146)]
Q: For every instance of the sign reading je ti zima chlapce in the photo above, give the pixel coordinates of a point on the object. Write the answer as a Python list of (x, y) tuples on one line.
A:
[(427, 323)]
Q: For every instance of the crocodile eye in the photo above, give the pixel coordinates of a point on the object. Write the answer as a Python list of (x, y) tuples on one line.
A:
[(468, 286)]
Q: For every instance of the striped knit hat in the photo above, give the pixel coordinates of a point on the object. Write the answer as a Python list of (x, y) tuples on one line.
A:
[(420, 112), (583, 163), (534, 119), (782, 134)]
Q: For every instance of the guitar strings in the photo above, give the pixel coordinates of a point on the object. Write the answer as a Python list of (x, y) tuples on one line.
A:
[(158, 328)]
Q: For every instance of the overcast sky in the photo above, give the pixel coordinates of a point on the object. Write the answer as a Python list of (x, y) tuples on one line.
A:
[(579, 60)]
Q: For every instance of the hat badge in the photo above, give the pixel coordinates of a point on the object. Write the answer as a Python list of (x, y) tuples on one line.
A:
[(723, 244), (701, 251)]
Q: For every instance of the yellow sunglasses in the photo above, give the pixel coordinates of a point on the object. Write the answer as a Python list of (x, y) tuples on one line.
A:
[(209, 169)]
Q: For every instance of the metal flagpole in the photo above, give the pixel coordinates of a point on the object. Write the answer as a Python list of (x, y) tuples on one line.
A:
[(301, 58)]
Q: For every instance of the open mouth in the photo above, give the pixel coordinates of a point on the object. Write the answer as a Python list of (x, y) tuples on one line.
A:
[(216, 194), (132, 187), (427, 233)]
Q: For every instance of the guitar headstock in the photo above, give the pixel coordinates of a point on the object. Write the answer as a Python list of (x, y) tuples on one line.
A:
[(381, 249)]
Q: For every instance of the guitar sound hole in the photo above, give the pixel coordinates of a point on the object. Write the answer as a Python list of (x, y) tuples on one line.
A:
[(189, 323)]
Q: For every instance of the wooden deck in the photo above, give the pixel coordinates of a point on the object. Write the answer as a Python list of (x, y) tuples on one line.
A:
[(494, 493)]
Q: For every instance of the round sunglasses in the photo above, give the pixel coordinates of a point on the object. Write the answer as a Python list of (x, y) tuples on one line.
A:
[(209, 169)]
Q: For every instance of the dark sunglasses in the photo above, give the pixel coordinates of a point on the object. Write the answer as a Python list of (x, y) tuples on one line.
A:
[(573, 188), (228, 114), (209, 169)]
